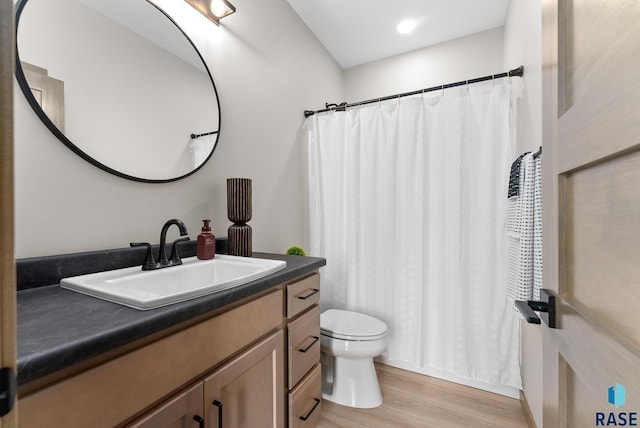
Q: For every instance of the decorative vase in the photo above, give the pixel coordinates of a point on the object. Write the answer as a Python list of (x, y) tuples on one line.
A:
[(239, 212)]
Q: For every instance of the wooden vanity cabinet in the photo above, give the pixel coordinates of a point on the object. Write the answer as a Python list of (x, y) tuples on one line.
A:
[(304, 399), (113, 392), (254, 365)]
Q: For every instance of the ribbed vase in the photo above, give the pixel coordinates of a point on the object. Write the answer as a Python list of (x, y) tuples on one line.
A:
[(239, 212), (239, 200), (239, 240)]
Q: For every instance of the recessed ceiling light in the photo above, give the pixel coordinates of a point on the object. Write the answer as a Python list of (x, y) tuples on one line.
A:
[(406, 26)]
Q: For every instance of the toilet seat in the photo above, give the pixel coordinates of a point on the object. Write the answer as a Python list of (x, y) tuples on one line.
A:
[(347, 325)]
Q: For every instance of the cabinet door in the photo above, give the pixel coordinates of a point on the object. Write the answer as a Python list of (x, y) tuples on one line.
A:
[(248, 392), (184, 410)]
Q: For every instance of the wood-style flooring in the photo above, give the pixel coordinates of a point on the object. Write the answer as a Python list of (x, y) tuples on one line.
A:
[(415, 400)]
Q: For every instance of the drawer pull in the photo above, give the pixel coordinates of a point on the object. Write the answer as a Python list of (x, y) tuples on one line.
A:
[(199, 420), (305, 417), (219, 406), (313, 291), (313, 342)]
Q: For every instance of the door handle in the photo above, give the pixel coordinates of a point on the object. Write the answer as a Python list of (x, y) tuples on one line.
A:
[(546, 306)]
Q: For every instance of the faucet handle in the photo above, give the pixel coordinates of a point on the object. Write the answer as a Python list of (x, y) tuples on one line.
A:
[(149, 260), (175, 257)]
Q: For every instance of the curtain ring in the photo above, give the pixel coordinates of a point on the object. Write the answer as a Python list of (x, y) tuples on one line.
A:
[(442, 90)]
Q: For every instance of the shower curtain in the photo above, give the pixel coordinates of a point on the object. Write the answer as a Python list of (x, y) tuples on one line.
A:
[(408, 206)]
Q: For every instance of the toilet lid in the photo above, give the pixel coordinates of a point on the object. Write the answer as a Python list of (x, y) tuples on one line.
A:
[(349, 325)]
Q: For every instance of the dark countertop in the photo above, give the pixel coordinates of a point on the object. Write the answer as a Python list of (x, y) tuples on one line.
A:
[(58, 328)]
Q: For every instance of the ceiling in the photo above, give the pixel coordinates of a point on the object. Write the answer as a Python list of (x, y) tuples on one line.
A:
[(360, 31)]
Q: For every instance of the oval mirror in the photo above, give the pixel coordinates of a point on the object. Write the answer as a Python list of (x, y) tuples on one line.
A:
[(120, 84)]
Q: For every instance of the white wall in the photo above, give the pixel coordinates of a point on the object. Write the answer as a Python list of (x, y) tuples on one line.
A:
[(465, 58), (523, 45), (265, 79)]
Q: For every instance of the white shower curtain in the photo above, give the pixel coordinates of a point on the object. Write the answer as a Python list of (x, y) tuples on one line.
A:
[(408, 205)]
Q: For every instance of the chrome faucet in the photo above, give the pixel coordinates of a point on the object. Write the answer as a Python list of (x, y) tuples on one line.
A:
[(174, 260)]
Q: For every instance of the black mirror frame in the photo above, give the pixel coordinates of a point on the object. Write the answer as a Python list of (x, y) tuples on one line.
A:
[(24, 86)]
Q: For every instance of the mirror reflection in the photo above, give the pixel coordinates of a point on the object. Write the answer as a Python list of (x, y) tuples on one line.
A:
[(120, 84)]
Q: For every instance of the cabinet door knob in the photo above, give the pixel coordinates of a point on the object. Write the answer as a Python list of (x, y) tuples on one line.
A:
[(305, 417), (199, 420), (218, 404)]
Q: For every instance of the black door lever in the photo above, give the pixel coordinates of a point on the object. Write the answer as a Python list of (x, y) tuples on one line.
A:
[(546, 306)]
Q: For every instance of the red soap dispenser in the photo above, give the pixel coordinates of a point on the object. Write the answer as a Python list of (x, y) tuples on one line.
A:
[(206, 242)]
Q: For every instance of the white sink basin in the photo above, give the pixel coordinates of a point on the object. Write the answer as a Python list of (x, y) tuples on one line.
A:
[(194, 278)]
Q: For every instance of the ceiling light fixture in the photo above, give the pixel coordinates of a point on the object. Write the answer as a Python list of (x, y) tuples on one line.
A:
[(215, 10), (406, 26)]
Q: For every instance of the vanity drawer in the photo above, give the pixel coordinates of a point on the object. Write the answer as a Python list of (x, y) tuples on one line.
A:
[(304, 345), (305, 401), (303, 294)]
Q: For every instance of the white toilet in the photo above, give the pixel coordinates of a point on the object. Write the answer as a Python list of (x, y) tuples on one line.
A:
[(349, 341)]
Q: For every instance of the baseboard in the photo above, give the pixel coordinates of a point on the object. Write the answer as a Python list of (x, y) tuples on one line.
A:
[(508, 391), (527, 411)]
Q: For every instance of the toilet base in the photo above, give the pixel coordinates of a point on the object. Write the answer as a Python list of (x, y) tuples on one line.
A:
[(350, 382)]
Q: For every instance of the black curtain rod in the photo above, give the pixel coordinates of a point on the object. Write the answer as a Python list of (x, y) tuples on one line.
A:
[(517, 72)]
